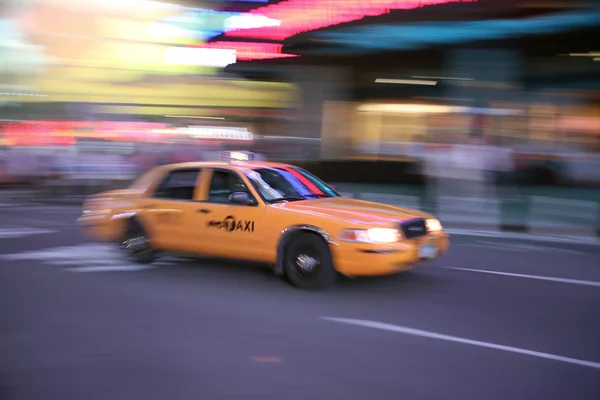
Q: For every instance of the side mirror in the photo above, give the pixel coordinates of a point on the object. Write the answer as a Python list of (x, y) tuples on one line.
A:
[(241, 198)]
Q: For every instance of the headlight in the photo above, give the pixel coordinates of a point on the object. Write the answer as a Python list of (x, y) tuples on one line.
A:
[(373, 235), (433, 225)]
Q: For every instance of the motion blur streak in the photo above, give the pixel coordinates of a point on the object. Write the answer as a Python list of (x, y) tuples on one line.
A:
[(481, 115), (323, 13)]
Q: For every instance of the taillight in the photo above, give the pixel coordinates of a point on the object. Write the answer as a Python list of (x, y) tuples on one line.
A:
[(94, 207)]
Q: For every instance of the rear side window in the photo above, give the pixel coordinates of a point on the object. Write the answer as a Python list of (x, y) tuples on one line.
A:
[(178, 185)]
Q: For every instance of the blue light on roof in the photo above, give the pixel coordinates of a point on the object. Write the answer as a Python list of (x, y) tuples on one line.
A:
[(418, 35)]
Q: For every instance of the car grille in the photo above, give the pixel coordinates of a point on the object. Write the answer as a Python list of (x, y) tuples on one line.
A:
[(413, 228)]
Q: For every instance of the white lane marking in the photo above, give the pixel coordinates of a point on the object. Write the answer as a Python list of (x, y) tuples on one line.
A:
[(39, 221), (538, 277), (113, 268), (17, 232), (456, 339), (587, 240), (92, 257), (80, 253), (15, 218)]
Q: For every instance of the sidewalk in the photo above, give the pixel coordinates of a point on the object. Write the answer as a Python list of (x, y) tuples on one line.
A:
[(542, 211), (555, 211)]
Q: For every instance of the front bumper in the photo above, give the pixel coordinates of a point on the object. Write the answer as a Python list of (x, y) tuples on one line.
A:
[(355, 259)]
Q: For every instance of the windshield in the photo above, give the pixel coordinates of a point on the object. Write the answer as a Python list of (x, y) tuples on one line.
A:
[(288, 184)]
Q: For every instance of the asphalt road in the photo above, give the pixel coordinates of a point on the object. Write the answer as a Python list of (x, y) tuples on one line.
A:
[(78, 322)]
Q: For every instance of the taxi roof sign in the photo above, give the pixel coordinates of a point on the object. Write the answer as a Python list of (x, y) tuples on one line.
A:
[(230, 156)]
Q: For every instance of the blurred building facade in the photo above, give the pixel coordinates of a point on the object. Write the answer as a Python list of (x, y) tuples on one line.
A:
[(520, 73), (118, 70), (370, 80)]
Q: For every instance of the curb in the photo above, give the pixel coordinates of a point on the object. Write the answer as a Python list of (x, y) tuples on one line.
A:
[(568, 231), (574, 239), (514, 228)]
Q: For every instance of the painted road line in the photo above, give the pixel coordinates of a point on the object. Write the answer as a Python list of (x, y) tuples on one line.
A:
[(19, 232), (587, 240), (433, 335), (538, 277), (112, 268), (41, 207), (37, 221), (54, 209), (89, 257)]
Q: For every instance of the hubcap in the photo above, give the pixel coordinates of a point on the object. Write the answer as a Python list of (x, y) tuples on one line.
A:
[(136, 246), (306, 263)]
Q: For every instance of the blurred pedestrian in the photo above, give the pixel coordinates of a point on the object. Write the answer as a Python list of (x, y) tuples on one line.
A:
[(490, 148), (431, 160), (506, 170)]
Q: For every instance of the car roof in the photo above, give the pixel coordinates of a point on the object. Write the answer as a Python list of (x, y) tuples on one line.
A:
[(236, 165)]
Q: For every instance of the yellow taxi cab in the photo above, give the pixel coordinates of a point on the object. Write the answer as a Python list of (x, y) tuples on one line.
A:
[(267, 212)]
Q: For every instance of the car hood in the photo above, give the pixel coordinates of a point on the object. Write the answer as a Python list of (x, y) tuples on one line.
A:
[(352, 210)]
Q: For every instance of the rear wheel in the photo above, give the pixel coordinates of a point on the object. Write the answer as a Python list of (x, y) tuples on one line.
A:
[(307, 262), (137, 245)]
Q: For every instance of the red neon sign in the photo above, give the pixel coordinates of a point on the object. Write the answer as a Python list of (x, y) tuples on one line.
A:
[(41, 133), (299, 16), (251, 50), (34, 133)]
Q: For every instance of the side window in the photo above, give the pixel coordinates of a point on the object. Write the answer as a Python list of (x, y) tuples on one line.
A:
[(223, 183), (178, 185), (277, 182)]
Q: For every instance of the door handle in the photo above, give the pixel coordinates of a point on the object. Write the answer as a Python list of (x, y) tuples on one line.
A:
[(203, 210)]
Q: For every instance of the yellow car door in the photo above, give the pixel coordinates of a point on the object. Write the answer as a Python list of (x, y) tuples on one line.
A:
[(172, 211), (233, 215)]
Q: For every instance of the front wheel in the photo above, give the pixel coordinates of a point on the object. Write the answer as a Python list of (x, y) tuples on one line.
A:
[(137, 245), (307, 262)]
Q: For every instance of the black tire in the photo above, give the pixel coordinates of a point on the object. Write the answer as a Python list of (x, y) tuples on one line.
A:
[(137, 245), (307, 262)]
